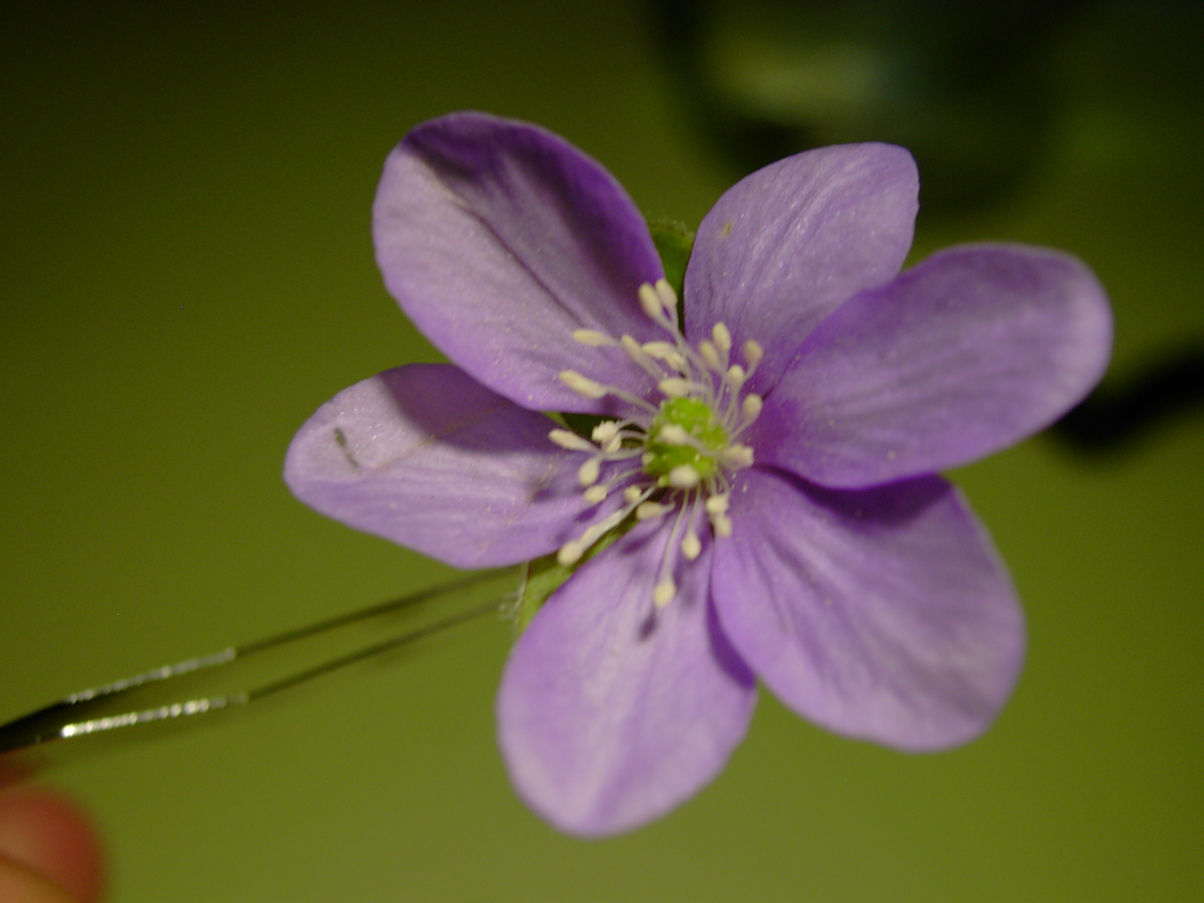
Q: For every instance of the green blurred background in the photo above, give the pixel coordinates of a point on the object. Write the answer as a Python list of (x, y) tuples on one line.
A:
[(186, 272)]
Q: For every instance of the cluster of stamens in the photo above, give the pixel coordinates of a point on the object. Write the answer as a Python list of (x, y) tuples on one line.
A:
[(681, 450)]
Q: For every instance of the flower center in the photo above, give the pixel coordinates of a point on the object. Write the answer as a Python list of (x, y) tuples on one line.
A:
[(674, 456), (696, 419)]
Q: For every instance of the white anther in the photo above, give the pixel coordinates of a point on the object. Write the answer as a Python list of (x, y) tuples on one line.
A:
[(664, 592), (605, 432), (753, 352), (684, 476), (587, 473), (570, 440), (709, 355), (632, 494), (581, 385), (665, 351), (595, 531), (690, 545), (570, 552), (668, 297), (721, 524), (751, 407), (736, 376), (662, 351), (650, 510), (674, 387), (738, 456), (647, 458), (592, 337), (635, 351), (596, 493), (673, 434), (722, 337), (650, 301), (716, 504)]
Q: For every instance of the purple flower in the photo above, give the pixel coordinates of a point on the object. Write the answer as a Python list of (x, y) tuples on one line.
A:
[(768, 467)]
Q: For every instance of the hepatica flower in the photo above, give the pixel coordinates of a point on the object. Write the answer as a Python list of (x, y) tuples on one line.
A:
[(755, 495)]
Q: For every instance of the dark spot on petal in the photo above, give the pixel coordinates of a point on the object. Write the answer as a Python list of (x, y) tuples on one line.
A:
[(340, 439), (648, 626)]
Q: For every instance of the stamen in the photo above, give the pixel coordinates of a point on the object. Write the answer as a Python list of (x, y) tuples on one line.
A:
[(570, 553), (650, 301), (596, 493), (667, 296), (672, 434), (581, 385), (722, 337), (751, 408), (592, 337), (570, 440), (590, 389), (738, 456), (662, 351), (716, 508), (599, 491), (664, 592), (605, 432), (710, 356), (722, 525), (650, 510), (683, 476), (733, 382), (642, 359), (753, 352), (691, 547), (667, 352), (587, 473), (594, 533), (675, 387)]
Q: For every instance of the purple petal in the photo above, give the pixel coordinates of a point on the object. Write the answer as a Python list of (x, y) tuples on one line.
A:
[(612, 712), (967, 353), (499, 239), (786, 245), (427, 457), (883, 614)]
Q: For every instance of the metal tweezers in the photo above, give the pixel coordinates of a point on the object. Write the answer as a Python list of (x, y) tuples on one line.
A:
[(172, 693)]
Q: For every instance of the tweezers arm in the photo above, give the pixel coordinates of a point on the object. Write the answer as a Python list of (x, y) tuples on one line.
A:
[(198, 686), (122, 703)]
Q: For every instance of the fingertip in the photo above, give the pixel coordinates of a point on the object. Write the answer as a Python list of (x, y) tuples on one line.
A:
[(47, 843), (21, 884)]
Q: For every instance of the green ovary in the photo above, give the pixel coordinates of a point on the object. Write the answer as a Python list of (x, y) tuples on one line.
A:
[(698, 419)]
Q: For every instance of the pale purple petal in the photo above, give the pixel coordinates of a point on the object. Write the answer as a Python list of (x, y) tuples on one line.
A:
[(786, 245), (427, 457), (499, 239), (969, 352), (882, 614), (612, 712)]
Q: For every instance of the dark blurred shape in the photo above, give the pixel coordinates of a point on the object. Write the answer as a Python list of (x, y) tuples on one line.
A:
[(1116, 417), (969, 88), (964, 86)]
